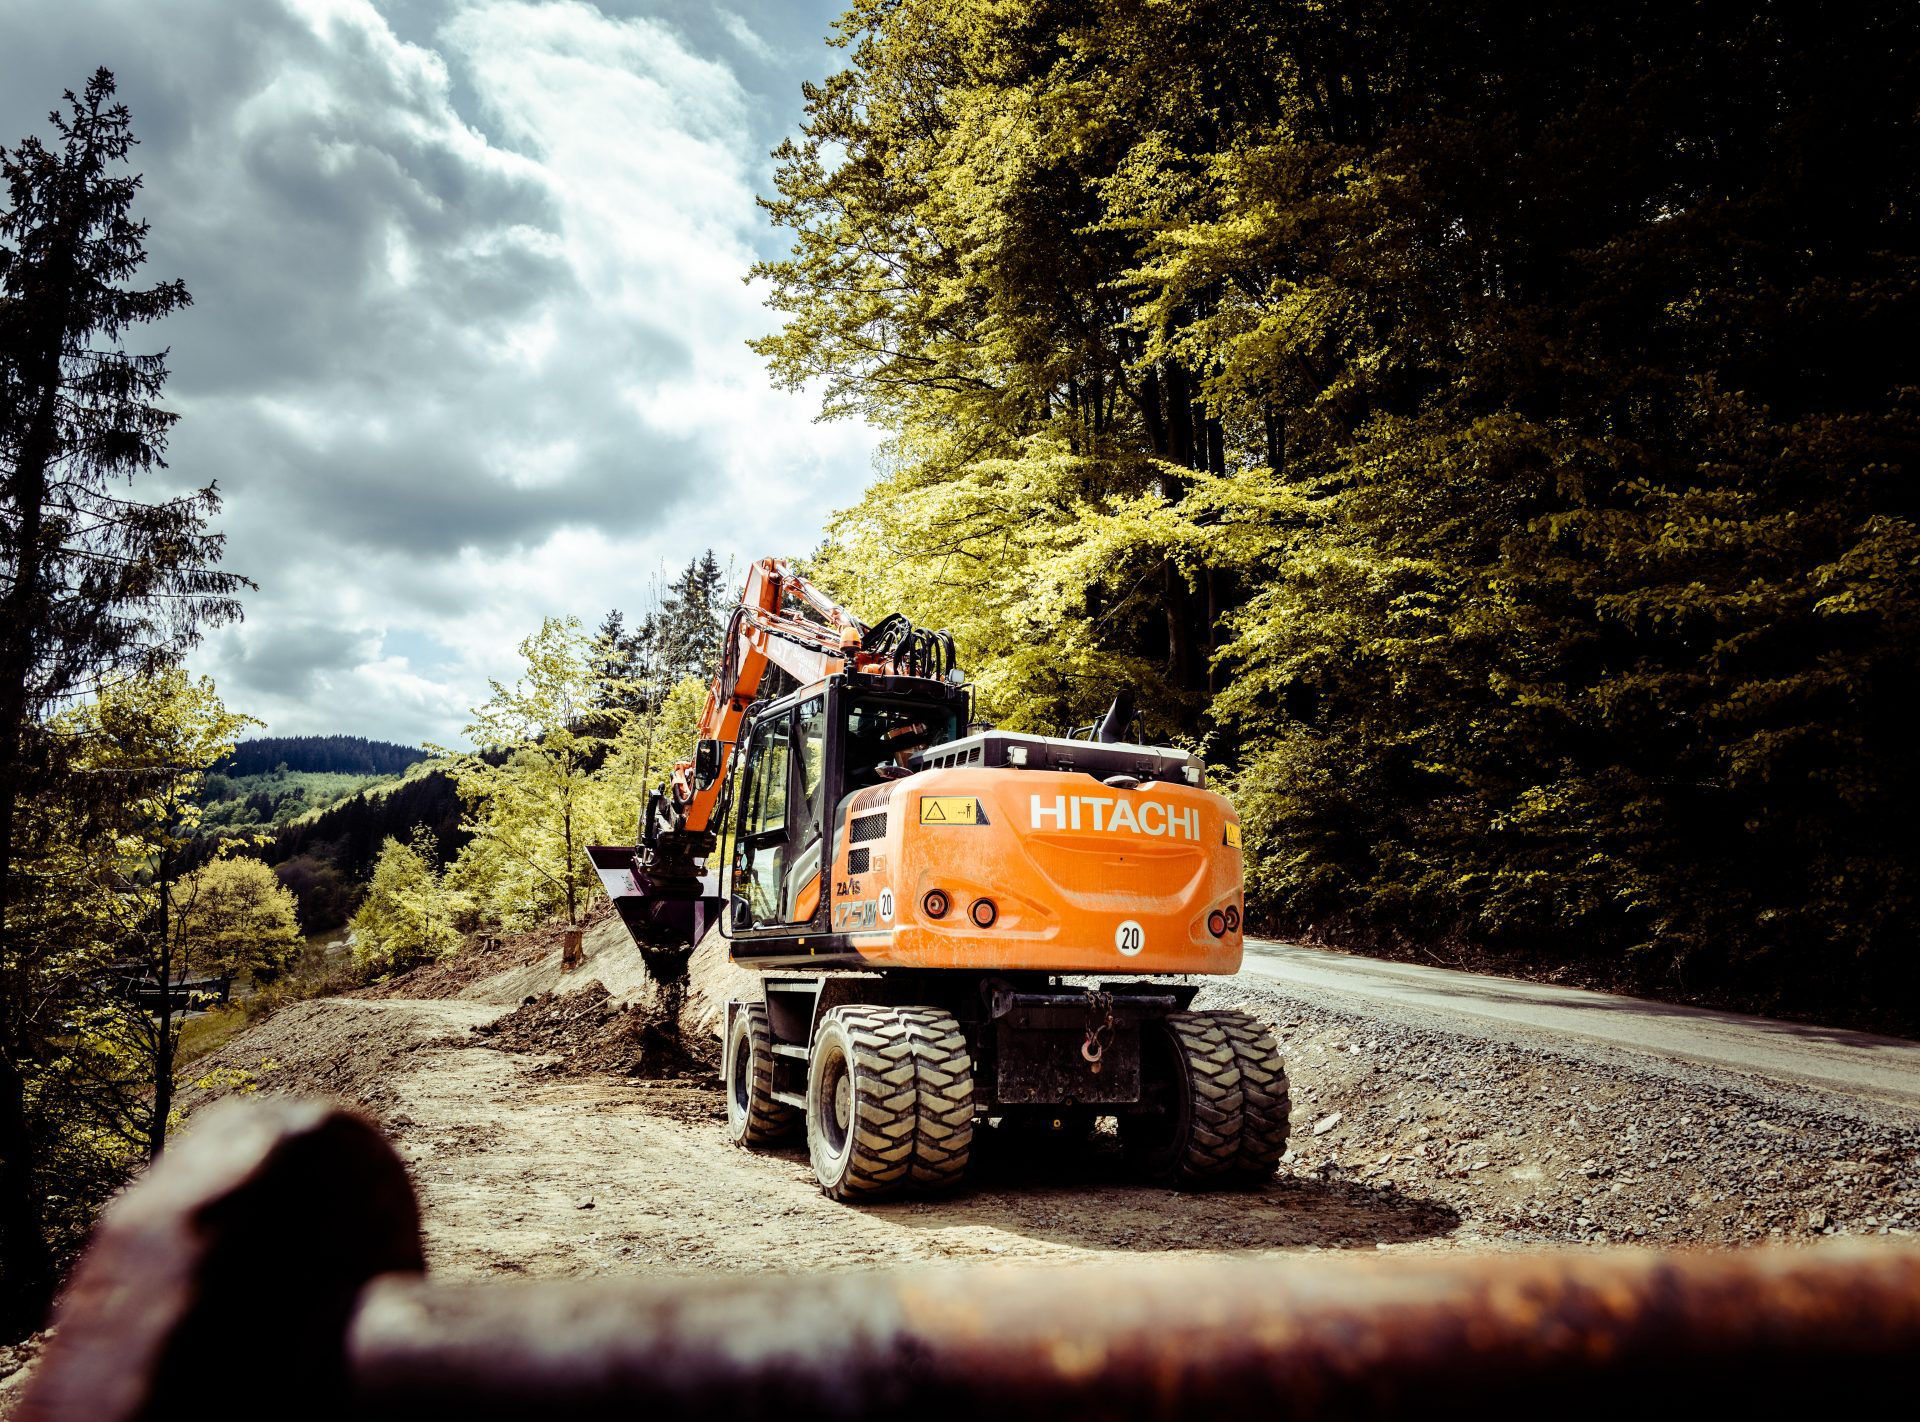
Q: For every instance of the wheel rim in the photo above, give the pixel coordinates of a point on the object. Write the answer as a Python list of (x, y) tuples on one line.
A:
[(833, 1100), (740, 1092)]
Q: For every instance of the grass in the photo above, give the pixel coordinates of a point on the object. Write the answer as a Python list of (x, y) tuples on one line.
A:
[(209, 1031), (323, 966)]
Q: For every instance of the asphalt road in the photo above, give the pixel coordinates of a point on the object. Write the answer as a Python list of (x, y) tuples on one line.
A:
[(1856, 1064)]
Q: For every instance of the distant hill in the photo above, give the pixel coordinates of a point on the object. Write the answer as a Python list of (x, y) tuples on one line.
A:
[(332, 755), (324, 826)]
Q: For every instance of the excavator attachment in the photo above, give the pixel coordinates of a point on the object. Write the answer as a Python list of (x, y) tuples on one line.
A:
[(665, 928)]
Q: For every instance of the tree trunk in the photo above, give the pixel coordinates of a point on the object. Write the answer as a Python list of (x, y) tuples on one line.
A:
[(26, 1264), (163, 1046), (573, 916)]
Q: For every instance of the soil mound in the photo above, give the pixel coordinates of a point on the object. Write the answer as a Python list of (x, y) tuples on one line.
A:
[(589, 1029)]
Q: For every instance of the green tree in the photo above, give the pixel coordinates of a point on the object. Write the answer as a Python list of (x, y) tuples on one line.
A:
[(685, 633), (151, 739), (409, 915), (1487, 432), (236, 917), (99, 584), (528, 789)]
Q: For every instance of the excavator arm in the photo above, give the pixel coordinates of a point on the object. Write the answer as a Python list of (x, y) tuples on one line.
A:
[(782, 621)]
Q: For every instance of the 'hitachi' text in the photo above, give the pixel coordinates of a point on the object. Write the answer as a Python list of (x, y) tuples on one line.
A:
[(1109, 816)]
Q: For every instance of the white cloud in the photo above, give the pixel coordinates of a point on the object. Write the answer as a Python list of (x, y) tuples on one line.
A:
[(468, 346), (748, 38)]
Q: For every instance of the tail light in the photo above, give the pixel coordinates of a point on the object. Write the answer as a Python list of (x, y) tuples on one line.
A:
[(936, 903), (1233, 917), (1216, 923), (983, 913)]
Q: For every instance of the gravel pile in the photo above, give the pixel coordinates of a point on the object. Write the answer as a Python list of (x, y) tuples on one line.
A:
[(1538, 1144)]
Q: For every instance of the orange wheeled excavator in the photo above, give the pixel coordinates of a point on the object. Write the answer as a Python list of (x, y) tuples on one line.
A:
[(953, 924)]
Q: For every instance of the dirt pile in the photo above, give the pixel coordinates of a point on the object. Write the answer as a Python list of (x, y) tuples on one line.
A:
[(589, 1029)]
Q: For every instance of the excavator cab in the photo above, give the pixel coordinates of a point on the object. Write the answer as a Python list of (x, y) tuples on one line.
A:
[(804, 756)]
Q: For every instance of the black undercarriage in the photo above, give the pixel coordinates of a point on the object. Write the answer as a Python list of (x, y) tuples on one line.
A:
[(1035, 1039)]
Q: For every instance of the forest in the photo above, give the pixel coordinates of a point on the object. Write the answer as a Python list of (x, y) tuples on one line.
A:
[(329, 755), (1489, 435)]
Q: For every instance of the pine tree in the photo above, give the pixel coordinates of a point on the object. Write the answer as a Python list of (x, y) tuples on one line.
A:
[(99, 584), (686, 640)]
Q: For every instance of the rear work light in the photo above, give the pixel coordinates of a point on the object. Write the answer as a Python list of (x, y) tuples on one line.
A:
[(1216, 923), (983, 913), (936, 903)]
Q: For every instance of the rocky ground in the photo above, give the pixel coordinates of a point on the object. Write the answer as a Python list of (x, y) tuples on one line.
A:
[(518, 1091), (1580, 1143)]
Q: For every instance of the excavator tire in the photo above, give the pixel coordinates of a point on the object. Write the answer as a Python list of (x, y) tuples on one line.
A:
[(1263, 1084), (943, 1071), (1190, 1136), (753, 1117), (863, 1099)]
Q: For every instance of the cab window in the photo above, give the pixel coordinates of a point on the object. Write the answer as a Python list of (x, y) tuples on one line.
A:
[(761, 852)]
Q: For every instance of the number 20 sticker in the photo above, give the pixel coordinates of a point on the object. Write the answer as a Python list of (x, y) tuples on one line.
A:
[(886, 905), (1129, 938)]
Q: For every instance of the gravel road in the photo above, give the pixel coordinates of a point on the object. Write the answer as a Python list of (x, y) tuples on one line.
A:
[(1854, 1064)]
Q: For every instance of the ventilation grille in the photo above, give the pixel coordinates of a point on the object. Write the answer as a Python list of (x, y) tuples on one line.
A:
[(857, 861), (941, 760), (866, 827)]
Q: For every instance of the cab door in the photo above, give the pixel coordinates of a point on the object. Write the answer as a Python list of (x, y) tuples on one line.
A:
[(763, 837)]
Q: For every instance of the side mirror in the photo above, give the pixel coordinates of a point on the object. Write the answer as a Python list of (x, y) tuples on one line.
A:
[(706, 763)]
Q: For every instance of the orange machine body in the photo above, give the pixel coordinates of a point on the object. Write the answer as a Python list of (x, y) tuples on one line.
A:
[(1071, 875)]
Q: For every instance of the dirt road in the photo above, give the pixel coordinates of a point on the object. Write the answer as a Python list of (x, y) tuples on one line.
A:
[(1856, 1064), (522, 1170), (1406, 1137)]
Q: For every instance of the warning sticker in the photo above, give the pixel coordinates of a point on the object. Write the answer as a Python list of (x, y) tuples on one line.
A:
[(951, 810), (1233, 834)]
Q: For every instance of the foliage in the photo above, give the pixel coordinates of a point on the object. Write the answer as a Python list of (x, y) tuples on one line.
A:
[(678, 640), (239, 804), (100, 586), (531, 801), (323, 897), (331, 755), (237, 918), (1489, 432), (408, 915), (558, 767)]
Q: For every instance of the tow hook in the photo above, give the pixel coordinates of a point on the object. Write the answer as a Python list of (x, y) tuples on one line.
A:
[(1099, 1028)]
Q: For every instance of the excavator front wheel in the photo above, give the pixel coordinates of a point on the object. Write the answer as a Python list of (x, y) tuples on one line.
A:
[(753, 1116), (1187, 1130), (862, 1101)]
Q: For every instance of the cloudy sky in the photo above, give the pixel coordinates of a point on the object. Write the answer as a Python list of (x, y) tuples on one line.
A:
[(467, 342)]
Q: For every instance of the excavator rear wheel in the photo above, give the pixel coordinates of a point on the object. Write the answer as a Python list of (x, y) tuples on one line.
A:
[(1263, 1084), (943, 1116), (1189, 1126), (753, 1116), (863, 1097)]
